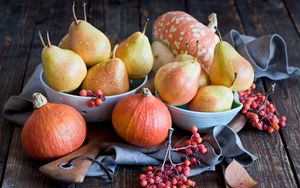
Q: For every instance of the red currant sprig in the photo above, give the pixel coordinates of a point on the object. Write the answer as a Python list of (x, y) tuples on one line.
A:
[(171, 174), (97, 99), (260, 111)]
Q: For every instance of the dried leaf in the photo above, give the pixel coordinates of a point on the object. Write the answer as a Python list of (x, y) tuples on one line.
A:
[(237, 177)]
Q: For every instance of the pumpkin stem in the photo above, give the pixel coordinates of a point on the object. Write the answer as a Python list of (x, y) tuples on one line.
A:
[(146, 92), (38, 100), (213, 21)]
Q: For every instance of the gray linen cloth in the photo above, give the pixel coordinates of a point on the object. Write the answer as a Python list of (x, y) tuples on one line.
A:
[(268, 55)]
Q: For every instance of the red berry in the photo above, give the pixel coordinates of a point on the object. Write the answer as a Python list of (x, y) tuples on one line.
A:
[(282, 118), (98, 102), (83, 93), (193, 160), (184, 178), (99, 92), (174, 181), (186, 172), (282, 124), (198, 140), (179, 168), (270, 129), (149, 168), (91, 103), (142, 176), (182, 186), (150, 180), (187, 142), (186, 163), (143, 183), (194, 129)]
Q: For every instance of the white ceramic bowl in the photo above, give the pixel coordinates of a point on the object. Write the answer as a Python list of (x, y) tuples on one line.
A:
[(94, 114), (205, 121)]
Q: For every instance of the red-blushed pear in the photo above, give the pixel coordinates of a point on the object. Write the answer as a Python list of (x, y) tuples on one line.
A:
[(136, 53), (226, 62), (64, 70), (203, 78), (110, 76), (87, 41), (177, 82)]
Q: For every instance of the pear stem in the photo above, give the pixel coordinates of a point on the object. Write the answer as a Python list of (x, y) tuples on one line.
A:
[(234, 79), (74, 14), (186, 47), (84, 11), (145, 26), (41, 38), (114, 51), (219, 34), (48, 39)]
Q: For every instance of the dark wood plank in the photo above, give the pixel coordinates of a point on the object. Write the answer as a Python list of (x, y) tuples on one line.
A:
[(16, 29), (293, 7), (227, 15), (153, 9), (21, 170), (258, 18)]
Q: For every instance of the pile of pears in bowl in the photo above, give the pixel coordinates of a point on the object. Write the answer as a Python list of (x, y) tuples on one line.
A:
[(204, 97), (83, 65)]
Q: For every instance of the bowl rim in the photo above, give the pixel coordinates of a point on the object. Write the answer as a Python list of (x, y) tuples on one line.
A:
[(81, 97), (235, 99)]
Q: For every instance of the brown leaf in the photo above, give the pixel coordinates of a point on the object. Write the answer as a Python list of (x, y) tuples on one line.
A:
[(236, 176)]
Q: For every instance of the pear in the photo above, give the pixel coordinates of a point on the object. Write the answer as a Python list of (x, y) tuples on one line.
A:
[(162, 54), (110, 76), (87, 41), (64, 70), (137, 55), (203, 78), (176, 83), (212, 98), (227, 61)]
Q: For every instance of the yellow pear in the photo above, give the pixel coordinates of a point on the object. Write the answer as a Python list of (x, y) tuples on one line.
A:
[(87, 41), (64, 70), (110, 76), (137, 55), (226, 63), (212, 98)]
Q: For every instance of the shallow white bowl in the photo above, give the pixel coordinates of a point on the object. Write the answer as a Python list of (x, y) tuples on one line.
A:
[(94, 114), (205, 121)]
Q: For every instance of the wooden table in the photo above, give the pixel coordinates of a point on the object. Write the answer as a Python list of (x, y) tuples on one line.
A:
[(278, 163)]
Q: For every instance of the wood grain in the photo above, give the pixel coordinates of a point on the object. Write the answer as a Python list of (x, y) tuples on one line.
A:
[(22, 171), (285, 99), (293, 7), (16, 30)]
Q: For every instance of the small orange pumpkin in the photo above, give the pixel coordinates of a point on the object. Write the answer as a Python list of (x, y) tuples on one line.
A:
[(142, 119), (52, 130), (177, 28)]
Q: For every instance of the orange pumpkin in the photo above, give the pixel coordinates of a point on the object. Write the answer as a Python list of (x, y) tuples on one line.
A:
[(142, 119), (52, 130), (177, 28)]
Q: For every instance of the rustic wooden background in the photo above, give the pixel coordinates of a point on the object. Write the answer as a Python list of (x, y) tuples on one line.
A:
[(278, 163)]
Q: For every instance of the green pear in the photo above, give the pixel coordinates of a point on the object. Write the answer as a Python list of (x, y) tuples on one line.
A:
[(226, 63), (162, 54), (87, 41), (212, 98), (177, 82), (110, 76), (137, 55), (64, 70)]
